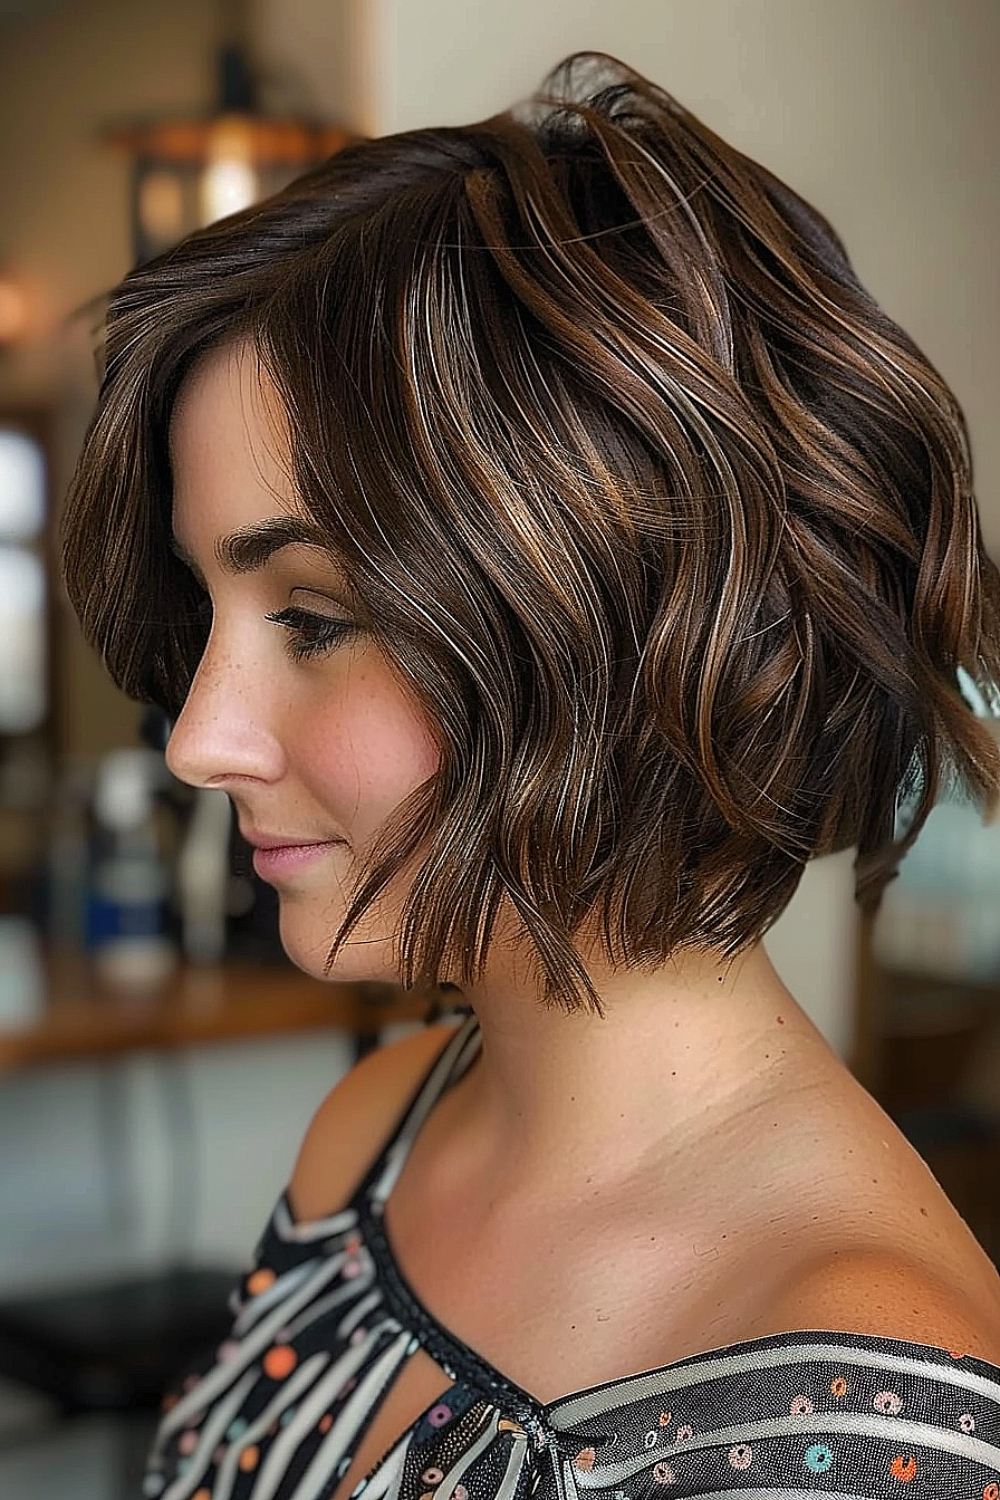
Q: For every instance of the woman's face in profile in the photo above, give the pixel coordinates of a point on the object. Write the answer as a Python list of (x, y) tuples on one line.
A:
[(301, 723)]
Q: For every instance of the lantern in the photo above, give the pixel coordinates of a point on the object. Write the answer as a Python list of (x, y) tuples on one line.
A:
[(188, 172)]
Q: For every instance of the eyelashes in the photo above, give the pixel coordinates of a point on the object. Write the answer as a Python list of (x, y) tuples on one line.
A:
[(311, 635)]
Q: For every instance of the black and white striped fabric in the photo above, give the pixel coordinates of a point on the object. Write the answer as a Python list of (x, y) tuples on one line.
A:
[(324, 1320)]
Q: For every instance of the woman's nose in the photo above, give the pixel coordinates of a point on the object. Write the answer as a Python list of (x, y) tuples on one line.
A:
[(222, 732)]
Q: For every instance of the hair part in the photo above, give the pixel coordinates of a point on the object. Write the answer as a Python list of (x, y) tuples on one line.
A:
[(664, 523)]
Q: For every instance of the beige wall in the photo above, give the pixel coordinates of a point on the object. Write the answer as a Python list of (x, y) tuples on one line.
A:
[(332, 50)]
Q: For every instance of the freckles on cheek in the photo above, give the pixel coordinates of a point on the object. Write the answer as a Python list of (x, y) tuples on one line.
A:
[(372, 746)]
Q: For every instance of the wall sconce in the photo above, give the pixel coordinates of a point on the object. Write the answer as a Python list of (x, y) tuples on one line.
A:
[(188, 172)]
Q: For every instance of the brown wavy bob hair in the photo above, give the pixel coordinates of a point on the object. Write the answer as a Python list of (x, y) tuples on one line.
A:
[(667, 527)]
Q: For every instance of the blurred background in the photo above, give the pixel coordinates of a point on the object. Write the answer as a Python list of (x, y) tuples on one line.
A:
[(146, 1009)]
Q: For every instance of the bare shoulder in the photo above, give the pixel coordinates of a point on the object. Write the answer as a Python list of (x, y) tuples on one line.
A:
[(890, 1256), (884, 1292), (352, 1123)]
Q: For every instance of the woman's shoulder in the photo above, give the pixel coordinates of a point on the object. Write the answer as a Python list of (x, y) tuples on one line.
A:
[(878, 1247), (883, 1291), (354, 1120)]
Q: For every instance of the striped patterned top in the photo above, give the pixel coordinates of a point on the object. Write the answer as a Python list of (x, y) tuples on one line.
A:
[(324, 1320)]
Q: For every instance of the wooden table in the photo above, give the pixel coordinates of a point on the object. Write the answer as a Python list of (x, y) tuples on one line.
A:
[(85, 1018)]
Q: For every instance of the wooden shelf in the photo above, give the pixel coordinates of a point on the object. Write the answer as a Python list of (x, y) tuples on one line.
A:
[(84, 1017)]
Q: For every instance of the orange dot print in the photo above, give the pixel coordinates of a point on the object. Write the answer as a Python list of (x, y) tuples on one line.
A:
[(585, 1458), (260, 1281), (992, 1492), (202, 1494), (249, 1458), (280, 1361), (903, 1468), (325, 1423), (839, 1386)]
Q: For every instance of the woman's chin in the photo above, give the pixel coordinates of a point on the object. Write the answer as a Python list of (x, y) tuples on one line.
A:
[(358, 962)]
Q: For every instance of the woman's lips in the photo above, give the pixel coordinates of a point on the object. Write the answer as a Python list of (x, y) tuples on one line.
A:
[(287, 859)]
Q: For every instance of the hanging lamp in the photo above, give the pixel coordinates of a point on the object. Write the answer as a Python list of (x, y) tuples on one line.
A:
[(188, 171)]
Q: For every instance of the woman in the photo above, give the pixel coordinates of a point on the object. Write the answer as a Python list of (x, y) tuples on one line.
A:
[(550, 547)]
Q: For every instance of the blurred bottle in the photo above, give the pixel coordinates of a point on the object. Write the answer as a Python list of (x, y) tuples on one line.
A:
[(203, 877), (22, 975), (67, 873), (128, 909), (222, 911)]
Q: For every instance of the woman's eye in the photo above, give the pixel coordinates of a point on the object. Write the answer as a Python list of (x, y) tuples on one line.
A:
[(311, 635)]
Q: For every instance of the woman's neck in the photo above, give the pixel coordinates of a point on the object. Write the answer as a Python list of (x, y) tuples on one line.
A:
[(678, 1054)]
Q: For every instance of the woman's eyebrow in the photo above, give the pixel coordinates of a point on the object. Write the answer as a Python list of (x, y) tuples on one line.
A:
[(251, 547)]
